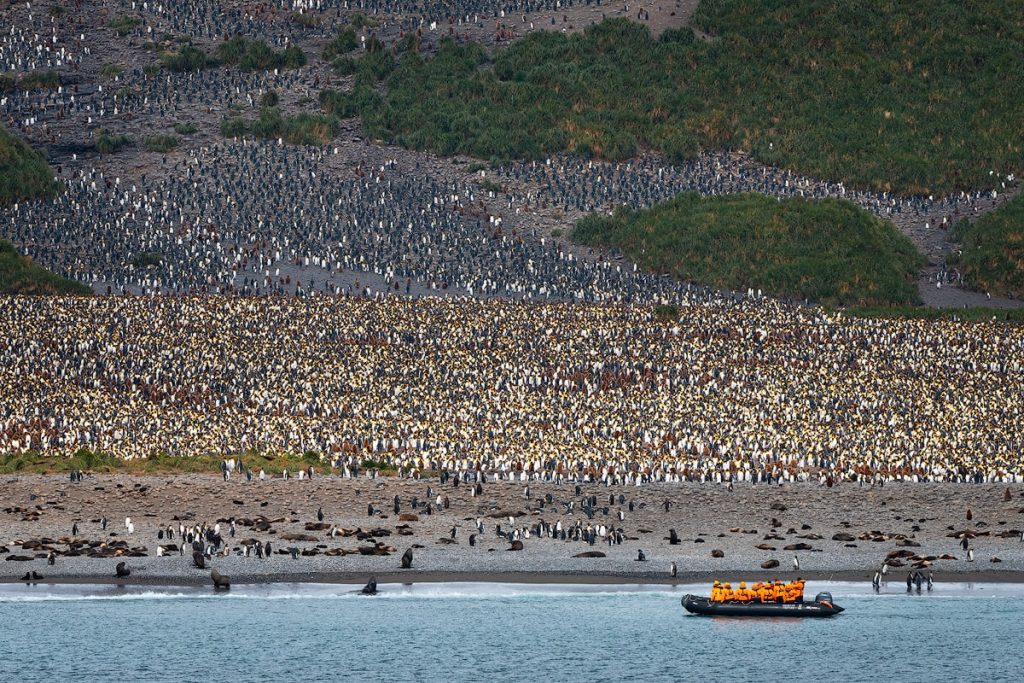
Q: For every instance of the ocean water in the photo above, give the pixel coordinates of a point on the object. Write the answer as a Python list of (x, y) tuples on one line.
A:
[(499, 632)]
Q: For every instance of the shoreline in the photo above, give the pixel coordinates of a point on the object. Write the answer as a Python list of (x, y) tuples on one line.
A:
[(346, 531), (521, 578)]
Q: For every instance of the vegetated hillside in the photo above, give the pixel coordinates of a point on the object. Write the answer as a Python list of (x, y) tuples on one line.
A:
[(916, 96), (23, 172), (828, 251), (992, 251), (18, 275)]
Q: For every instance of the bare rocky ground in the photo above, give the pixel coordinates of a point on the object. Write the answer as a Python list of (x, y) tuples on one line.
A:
[(845, 532)]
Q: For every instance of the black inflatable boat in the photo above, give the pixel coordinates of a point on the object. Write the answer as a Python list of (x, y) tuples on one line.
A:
[(822, 606)]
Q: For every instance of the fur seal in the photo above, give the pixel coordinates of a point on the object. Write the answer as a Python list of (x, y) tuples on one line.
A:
[(198, 560), (407, 559), (516, 545), (673, 537), (220, 582), (122, 571), (370, 588)]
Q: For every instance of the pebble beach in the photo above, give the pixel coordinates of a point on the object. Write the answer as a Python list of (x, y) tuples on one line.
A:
[(845, 532)]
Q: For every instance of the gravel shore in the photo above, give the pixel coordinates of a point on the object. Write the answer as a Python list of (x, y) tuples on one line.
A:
[(917, 519)]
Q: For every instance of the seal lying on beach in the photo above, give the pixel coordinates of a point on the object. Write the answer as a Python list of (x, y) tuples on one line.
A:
[(220, 582)]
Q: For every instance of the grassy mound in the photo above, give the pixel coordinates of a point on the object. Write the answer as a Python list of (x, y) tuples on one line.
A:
[(992, 257), (245, 53), (23, 172), (828, 251), (917, 97), (256, 55), (302, 129), (18, 275), (973, 314)]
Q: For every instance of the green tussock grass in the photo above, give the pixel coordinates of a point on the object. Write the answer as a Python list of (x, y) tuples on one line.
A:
[(85, 460), (160, 143), (19, 275), (32, 81), (359, 20), (108, 143), (24, 173), (972, 314), (992, 250), (245, 53), (343, 42), (254, 55), (301, 129), (827, 251), (914, 97), (124, 25), (305, 20), (111, 70), (188, 58)]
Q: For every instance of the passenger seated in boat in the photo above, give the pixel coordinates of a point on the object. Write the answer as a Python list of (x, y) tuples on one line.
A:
[(762, 591)]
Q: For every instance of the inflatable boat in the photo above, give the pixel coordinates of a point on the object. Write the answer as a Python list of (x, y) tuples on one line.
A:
[(822, 606)]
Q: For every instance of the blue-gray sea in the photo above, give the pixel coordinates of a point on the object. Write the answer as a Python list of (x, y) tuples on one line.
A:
[(499, 632)]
